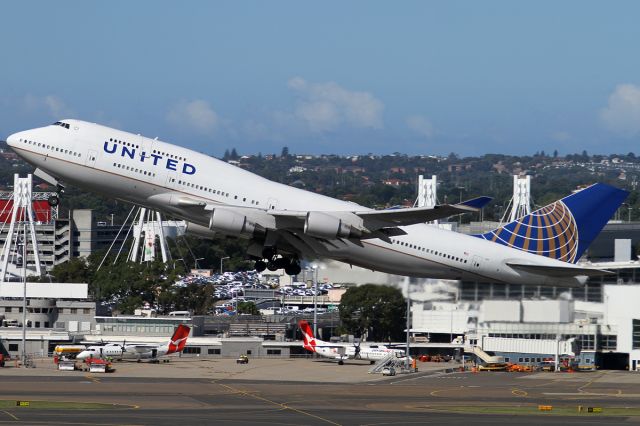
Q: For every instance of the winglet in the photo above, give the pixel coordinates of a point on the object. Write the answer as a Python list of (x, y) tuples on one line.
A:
[(476, 203)]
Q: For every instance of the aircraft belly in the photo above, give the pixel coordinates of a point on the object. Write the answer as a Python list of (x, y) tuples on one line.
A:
[(375, 256)]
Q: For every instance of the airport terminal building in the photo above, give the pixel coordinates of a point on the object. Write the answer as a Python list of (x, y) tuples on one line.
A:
[(526, 324)]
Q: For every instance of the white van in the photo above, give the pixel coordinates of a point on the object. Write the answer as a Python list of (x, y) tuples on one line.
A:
[(184, 314)]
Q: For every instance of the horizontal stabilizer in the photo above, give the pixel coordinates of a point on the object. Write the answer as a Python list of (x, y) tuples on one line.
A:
[(559, 271)]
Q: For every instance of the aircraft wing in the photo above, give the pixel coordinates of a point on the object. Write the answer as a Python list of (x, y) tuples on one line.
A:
[(414, 215), (365, 223), (559, 271), (369, 221), (139, 348)]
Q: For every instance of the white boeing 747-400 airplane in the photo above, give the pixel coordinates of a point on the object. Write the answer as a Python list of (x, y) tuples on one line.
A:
[(286, 224)]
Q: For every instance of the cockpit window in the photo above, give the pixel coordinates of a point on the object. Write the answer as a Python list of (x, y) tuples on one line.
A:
[(60, 123)]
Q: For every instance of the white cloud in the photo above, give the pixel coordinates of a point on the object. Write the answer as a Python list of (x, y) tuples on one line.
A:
[(622, 114), (420, 125), (49, 104), (196, 115), (326, 106), (561, 136)]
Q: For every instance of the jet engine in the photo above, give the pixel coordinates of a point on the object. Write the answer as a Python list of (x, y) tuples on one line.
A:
[(229, 222), (323, 225), (199, 230)]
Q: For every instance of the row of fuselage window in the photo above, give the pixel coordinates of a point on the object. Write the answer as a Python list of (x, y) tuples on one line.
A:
[(51, 148), (155, 151), (184, 183), (429, 251), (212, 191), (133, 169)]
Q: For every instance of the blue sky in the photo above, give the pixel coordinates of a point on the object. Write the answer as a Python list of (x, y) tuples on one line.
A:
[(419, 77)]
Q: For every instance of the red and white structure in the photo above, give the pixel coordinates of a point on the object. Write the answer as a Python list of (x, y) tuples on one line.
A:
[(21, 219)]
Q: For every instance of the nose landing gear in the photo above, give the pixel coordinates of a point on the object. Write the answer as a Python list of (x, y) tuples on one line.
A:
[(54, 199)]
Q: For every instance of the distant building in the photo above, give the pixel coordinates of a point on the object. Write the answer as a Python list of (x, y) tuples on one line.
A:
[(60, 239)]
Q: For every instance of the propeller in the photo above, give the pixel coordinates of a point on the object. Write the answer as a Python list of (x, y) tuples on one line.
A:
[(356, 354)]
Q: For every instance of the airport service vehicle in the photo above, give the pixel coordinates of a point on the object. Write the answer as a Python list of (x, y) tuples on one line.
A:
[(139, 352), (97, 365), (67, 352), (344, 351), (286, 224), (68, 349)]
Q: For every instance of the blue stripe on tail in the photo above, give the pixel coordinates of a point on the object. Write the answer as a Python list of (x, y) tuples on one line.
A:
[(562, 230)]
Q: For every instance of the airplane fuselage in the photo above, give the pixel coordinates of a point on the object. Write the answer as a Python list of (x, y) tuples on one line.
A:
[(116, 351), (369, 353), (169, 178)]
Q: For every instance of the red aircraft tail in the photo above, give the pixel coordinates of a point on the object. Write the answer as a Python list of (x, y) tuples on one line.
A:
[(179, 339), (307, 336)]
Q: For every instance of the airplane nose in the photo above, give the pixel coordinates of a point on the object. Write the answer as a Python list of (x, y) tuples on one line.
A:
[(12, 140)]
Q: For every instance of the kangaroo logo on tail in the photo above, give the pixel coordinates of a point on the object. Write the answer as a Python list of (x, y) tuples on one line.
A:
[(179, 339), (307, 336)]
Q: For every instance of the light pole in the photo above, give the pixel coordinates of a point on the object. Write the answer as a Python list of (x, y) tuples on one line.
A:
[(175, 260), (408, 325), (24, 295), (196, 262), (460, 188), (315, 302), (221, 259)]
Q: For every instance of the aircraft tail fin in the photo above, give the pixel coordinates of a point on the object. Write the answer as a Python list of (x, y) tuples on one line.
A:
[(309, 341), (564, 229), (179, 339)]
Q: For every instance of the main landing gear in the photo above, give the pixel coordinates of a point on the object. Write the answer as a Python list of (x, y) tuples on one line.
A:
[(54, 199), (272, 261)]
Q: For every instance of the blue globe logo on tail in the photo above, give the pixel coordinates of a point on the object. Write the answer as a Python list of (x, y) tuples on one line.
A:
[(550, 231), (564, 229)]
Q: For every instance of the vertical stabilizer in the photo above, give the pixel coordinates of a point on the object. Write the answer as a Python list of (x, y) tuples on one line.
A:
[(564, 229), (179, 339), (309, 341)]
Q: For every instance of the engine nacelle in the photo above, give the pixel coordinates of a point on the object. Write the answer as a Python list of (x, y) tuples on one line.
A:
[(323, 225), (199, 230), (229, 222)]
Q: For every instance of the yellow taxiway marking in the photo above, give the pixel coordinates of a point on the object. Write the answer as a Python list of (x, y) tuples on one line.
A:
[(93, 379), (519, 392), (11, 415), (277, 404), (589, 383)]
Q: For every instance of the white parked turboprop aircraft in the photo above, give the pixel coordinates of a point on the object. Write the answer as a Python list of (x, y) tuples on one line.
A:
[(344, 351), (286, 224), (139, 352)]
